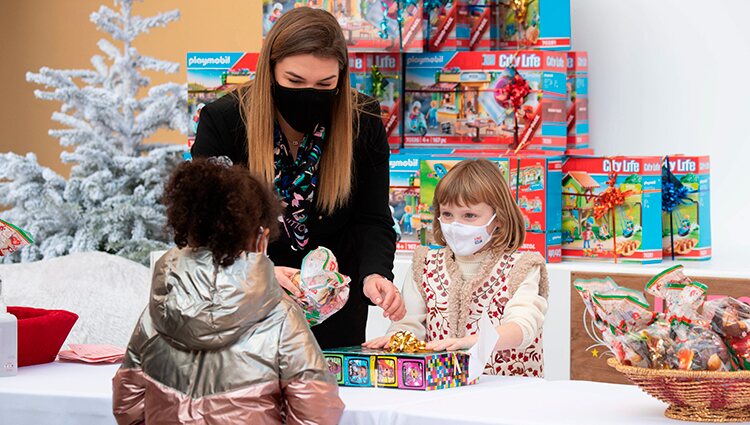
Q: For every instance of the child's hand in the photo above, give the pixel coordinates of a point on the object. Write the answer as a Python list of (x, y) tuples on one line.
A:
[(284, 276), (384, 294), (381, 342), (452, 344)]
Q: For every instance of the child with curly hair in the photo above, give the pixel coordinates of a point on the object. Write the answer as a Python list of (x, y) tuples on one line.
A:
[(219, 342)]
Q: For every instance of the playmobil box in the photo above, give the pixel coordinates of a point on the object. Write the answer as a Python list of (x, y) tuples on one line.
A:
[(536, 183), (594, 227), (451, 100), (578, 100), (542, 24), (362, 367), (369, 26), (379, 75), (210, 75), (404, 200), (482, 18), (445, 27), (688, 227)]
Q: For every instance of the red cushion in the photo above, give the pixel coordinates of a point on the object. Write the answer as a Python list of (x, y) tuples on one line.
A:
[(41, 333)]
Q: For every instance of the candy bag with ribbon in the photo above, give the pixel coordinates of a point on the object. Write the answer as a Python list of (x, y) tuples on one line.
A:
[(730, 318), (324, 289)]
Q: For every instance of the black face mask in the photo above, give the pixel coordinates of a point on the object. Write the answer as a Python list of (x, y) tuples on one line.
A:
[(303, 109)]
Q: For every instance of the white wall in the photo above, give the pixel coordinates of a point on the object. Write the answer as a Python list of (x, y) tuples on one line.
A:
[(671, 76)]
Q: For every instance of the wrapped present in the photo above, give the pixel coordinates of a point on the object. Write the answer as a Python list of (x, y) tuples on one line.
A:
[(458, 99), (534, 24), (423, 371), (686, 206), (324, 289), (611, 209), (12, 238), (578, 100), (369, 26), (211, 75), (379, 75)]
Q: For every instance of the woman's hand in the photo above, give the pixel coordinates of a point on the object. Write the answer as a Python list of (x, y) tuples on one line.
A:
[(381, 342), (384, 294), (452, 344), (284, 276)]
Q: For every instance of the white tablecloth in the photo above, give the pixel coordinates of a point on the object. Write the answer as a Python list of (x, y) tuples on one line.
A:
[(77, 394)]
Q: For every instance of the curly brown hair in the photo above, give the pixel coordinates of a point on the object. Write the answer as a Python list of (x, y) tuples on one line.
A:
[(219, 207)]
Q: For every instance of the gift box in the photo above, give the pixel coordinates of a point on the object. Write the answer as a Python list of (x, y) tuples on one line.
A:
[(446, 26), (537, 24), (451, 100), (686, 229), (369, 26), (211, 75), (578, 100), (611, 209), (379, 75), (362, 367), (41, 333)]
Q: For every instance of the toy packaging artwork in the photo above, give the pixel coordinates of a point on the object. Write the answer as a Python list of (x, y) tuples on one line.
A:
[(324, 289), (212, 75), (611, 209), (404, 200), (578, 100), (446, 27), (426, 371), (482, 18), (379, 75), (369, 26), (536, 184), (536, 24), (690, 219), (452, 99)]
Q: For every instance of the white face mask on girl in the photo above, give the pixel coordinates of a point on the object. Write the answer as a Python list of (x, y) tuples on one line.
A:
[(465, 239)]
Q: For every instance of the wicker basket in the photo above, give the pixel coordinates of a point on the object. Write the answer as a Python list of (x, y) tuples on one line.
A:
[(700, 396)]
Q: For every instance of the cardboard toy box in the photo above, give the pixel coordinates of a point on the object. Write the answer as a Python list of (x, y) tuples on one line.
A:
[(362, 367), (404, 200), (690, 221), (544, 25), (578, 100), (363, 22), (210, 75), (637, 222), (446, 27), (450, 100), (482, 18), (362, 77)]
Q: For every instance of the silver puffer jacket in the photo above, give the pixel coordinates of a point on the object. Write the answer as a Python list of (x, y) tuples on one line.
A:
[(222, 346)]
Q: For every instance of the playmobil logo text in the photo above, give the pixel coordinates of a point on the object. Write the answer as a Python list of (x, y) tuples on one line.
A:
[(404, 163), (216, 60), (424, 60), (624, 166), (682, 165)]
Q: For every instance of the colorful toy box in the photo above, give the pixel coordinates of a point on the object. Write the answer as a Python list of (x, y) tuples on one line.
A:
[(361, 367), (578, 100), (482, 18), (404, 200), (446, 27), (536, 183), (450, 100), (379, 75), (369, 26), (690, 222), (542, 24), (212, 75), (632, 230)]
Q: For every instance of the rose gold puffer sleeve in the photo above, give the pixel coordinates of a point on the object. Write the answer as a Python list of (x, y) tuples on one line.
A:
[(310, 391), (128, 384)]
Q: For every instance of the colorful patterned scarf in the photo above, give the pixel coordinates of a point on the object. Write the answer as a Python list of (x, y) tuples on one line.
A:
[(295, 182)]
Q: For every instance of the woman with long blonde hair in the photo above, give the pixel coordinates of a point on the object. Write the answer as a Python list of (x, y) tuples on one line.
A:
[(300, 128)]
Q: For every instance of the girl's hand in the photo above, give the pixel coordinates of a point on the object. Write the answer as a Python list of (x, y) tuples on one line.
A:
[(452, 344), (381, 342), (384, 294), (284, 276)]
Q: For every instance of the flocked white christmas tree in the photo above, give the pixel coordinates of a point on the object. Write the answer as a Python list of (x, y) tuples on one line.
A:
[(110, 202)]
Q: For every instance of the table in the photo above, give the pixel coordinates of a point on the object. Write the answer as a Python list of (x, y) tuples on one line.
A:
[(78, 394)]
